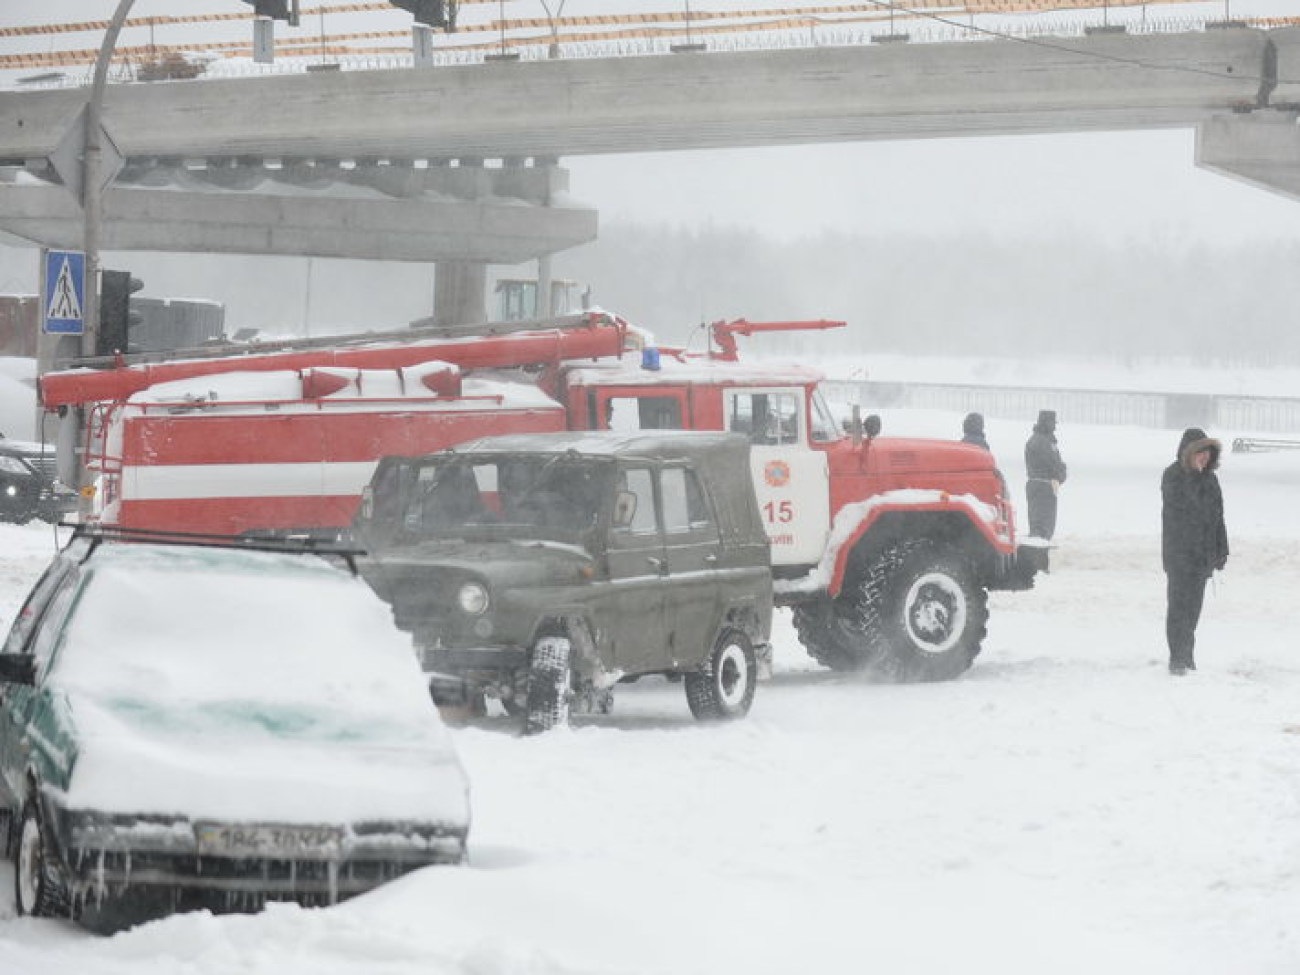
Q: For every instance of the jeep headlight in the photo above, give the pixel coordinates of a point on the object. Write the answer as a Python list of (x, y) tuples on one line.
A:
[(472, 598)]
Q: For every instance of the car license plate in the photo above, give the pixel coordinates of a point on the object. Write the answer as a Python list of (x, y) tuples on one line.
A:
[(277, 841)]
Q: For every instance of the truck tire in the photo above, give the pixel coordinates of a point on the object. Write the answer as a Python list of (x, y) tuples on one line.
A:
[(724, 688), (921, 612), (828, 638), (40, 889), (547, 699)]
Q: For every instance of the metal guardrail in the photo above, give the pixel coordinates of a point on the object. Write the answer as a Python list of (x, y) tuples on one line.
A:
[(1259, 445), (1263, 414)]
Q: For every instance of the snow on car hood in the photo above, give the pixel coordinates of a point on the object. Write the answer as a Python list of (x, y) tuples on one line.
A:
[(250, 686), (234, 764)]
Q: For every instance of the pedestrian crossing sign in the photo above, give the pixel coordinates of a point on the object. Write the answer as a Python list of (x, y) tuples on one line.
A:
[(63, 292)]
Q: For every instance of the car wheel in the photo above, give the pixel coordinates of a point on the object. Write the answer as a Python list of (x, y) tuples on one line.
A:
[(547, 697), (39, 887), (724, 689), (921, 612), (829, 639)]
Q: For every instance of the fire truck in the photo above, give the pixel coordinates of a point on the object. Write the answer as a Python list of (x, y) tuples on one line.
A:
[(885, 548)]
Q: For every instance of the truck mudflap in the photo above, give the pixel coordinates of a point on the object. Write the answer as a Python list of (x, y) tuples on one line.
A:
[(1019, 569)]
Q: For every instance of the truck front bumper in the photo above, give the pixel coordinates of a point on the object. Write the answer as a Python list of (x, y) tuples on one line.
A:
[(1019, 569)]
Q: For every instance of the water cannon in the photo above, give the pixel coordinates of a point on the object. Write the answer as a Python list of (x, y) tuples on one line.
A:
[(724, 333)]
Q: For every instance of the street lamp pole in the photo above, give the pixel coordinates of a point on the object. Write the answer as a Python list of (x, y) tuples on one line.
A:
[(91, 195)]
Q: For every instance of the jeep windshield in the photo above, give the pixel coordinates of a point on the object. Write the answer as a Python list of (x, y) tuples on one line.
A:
[(549, 496)]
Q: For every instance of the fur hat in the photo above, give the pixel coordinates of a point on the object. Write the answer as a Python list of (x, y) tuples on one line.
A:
[(1195, 440)]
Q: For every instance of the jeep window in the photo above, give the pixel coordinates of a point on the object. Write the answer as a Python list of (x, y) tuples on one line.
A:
[(766, 418), (822, 425), (639, 481), (628, 413), (684, 506), (530, 496), (445, 497)]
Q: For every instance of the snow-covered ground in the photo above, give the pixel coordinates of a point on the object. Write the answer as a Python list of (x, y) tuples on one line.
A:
[(1065, 807)]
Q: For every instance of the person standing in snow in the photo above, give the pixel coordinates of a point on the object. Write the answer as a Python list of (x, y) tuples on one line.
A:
[(1193, 541), (972, 430), (1045, 472)]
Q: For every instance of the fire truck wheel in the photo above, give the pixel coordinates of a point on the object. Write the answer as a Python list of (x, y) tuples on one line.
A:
[(921, 612), (39, 886), (547, 698), (724, 688), (830, 639)]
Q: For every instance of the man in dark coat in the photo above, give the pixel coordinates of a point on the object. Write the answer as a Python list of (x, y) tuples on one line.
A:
[(972, 430), (1046, 473), (1194, 540)]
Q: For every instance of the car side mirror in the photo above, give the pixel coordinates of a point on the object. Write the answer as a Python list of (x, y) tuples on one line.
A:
[(17, 668), (624, 509)]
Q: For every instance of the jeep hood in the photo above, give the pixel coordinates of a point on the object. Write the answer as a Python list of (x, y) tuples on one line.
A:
[(504, 563)]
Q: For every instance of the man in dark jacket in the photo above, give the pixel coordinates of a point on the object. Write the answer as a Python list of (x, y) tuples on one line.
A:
[(972, 430), (1194, 540), (1046, 473)]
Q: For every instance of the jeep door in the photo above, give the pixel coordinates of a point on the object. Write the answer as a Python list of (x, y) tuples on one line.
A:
[(693, 545), (632, 611)]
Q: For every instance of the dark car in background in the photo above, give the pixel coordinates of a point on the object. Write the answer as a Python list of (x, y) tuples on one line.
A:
[(29, 485), (543, 569), (197, 726)]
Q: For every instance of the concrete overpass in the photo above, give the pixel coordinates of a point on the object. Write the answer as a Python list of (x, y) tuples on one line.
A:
[(459, 165)]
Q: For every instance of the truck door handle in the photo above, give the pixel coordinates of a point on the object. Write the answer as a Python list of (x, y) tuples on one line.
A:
[(710, 560), (656, 564)]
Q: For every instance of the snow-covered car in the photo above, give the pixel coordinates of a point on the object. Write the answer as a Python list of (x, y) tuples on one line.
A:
[(187, 726)]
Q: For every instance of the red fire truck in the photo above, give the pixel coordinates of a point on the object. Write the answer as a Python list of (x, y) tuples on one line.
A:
[(884, 547)]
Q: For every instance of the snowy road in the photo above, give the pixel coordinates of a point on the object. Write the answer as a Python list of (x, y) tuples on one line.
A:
[(1066, 807)]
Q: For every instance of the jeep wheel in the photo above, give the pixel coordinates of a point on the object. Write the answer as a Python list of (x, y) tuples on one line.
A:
[(921, 613), (548, 685), (39, 887), (829, 639), (725, 687)]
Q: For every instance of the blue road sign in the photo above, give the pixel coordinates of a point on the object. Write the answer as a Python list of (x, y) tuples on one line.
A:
[(63, 293)]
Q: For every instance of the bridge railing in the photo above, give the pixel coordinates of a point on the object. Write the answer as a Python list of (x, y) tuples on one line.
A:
[(1172, 410)]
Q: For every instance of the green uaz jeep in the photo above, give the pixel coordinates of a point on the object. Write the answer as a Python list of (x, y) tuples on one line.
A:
[(542, 569)]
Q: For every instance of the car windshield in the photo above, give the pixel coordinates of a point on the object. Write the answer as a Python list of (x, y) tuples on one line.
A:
[(556, 496), (238, 644)]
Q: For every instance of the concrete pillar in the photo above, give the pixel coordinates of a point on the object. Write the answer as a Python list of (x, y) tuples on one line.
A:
[(545, 300), (459, 293)]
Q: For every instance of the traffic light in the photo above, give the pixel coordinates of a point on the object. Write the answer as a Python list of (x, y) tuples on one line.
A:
[(431, 13), (116, 318), (286, 10)]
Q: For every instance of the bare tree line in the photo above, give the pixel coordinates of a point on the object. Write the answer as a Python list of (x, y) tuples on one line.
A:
[(964, 295)]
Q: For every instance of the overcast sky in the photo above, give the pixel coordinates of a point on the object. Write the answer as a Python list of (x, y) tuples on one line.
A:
[(1114, 186)]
